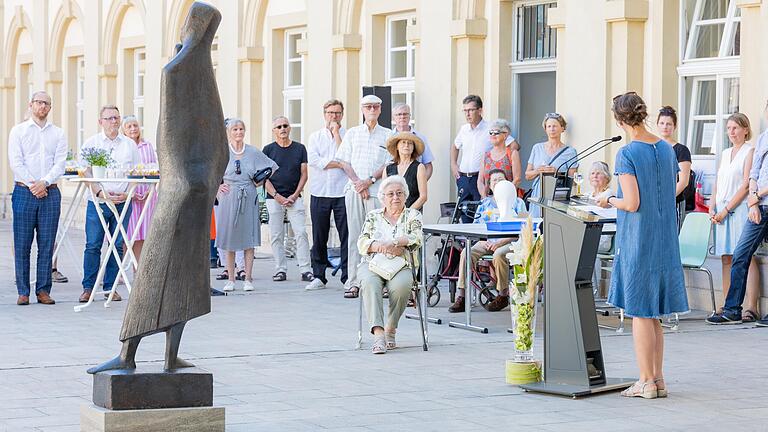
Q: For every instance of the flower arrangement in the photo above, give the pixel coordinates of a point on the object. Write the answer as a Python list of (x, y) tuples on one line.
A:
[(527, 262), (97, 157)]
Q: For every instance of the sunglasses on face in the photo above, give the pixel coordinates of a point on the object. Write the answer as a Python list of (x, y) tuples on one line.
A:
[(237, 167), (282, 126), (552, 115), (495, 132)]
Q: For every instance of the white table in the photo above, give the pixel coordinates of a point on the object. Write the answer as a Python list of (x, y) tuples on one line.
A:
[(129, 259)]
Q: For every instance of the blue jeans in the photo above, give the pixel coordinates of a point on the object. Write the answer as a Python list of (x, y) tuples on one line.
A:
[(467, 188), (749, 241), (34, 215), (94, 238)]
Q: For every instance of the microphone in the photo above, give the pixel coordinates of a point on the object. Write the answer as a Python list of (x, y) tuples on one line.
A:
[(585, 153), (574, 159)]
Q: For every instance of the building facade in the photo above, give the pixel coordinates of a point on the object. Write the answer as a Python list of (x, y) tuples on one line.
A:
[(524, 58)]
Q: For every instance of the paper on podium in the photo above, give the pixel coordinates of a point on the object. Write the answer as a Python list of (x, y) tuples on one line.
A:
[(607, 213)]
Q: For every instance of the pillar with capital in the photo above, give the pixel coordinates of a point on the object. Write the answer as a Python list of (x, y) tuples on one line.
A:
[(346, 74)]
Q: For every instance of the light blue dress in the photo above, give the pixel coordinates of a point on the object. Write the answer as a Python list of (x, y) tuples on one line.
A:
[(540, 157), (647, 279)]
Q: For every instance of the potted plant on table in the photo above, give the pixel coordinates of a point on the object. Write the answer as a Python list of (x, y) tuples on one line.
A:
[(527, 263), (98, 159)]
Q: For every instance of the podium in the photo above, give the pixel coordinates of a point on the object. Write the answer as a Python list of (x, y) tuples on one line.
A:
[(573, 357)]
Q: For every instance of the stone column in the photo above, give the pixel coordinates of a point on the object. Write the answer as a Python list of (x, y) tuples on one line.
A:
[(7, 91), (93, 98), (251, 62), (155, 49), (469, 57), (346, 74), (53, 81), (753, 90), (664, 56), (108, 84)]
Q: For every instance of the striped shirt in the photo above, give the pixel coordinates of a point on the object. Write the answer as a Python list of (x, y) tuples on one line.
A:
[(365, 151)]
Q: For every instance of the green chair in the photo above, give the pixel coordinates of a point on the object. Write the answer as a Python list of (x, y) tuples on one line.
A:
[(694, 245)]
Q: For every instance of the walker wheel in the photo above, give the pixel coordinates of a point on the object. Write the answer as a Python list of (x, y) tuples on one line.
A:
[(433, 296), (485, 296)]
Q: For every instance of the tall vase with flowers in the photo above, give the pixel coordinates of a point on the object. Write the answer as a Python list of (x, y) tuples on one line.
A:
[(526, 263)]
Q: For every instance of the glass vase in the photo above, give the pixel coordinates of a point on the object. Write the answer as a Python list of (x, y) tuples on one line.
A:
[(524, 327)]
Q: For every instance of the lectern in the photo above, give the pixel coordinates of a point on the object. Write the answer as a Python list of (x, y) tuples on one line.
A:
[(573, 357)]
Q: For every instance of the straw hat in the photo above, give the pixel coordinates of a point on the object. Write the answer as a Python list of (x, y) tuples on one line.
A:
[(418, 144)]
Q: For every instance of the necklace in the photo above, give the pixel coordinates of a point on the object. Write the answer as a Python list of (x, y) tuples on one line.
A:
[(238, 153)]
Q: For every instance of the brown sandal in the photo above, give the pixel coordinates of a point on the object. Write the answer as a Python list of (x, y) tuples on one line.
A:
[(352, 292), (749, 316)]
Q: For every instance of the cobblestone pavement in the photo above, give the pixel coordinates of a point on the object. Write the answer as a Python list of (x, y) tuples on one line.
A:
[(284, 360)]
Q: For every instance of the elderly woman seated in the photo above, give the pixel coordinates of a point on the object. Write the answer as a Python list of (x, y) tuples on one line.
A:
[(488, 211), (393, 231)]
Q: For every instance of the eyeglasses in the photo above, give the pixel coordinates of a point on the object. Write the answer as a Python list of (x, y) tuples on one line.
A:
[(335, 112), (113, 118), (469, 110), (371, 106), (237, 167), (494, 132), (41, 102), (405, 114), (394, 194), (282, 126)]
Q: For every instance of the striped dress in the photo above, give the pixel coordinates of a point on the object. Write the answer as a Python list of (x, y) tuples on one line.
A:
[(147, 155)]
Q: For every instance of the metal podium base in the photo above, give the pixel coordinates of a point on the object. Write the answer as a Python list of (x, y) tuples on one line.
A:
[(576, 391)]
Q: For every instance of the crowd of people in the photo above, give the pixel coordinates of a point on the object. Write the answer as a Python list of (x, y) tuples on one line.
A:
[(372, 182)]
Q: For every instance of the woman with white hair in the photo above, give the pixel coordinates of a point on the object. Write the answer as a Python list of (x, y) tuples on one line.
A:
[(389, 233), (238, 227), (147, 154), (600, 180), (500, 157)]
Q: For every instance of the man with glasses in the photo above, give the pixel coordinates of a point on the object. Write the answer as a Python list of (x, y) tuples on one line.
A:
[(401, 117), (326, 190), (473, 141), (37, 150), (363, 154), (284, 198), (125, 154)]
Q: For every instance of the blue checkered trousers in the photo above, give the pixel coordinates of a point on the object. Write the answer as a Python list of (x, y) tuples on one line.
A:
[(34, 216)]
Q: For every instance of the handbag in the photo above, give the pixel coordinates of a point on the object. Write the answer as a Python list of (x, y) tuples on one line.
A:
[(386, 266)]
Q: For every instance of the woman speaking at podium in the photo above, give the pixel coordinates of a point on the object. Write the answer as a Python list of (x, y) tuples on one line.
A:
[(647, 279)]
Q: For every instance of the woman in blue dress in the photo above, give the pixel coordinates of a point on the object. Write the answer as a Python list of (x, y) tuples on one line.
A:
[(647, 279)]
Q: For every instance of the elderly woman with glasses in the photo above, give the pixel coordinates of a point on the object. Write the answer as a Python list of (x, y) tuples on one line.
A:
[(394, 231), (502, 157), (237, 222), (548, 156)]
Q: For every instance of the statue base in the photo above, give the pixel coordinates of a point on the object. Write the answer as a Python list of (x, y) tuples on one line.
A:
[(199, 419), (153, 389)]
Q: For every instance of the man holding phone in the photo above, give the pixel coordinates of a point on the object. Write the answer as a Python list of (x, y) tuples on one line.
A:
[(125, 153), (326, 189)]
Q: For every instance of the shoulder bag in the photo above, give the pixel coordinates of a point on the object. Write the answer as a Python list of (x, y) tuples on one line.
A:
[(386, 266)]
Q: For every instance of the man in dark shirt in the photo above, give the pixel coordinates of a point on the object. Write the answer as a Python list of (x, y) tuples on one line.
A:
[(284, 197)]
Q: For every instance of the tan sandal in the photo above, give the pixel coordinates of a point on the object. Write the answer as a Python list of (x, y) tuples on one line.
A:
[(661, 388), (390, 338), (645, 390)]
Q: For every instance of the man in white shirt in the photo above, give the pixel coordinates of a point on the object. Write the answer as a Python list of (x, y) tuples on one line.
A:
[(36, 150), (326, 189), (363, 154), (124, 153), (401, 116), (473, 140)]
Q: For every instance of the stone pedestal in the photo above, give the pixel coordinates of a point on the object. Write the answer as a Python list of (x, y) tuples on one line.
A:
[(198, 419), (152, 388)]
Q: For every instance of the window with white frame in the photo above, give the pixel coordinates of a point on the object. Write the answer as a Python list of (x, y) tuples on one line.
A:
[(709, 73), (139, 69), (293, 83), (401, 62), (535, 39), (80, 101)]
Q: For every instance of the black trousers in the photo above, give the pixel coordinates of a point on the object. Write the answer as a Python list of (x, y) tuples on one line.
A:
[(320, 209), (467, 185)]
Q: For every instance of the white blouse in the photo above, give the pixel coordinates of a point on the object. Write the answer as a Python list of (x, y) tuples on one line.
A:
[(730, 175)]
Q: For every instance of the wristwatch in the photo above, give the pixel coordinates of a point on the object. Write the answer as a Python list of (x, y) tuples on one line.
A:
[(373, 179)]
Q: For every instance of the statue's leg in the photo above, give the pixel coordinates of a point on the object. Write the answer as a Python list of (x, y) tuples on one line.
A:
[(126, 359), (172, 341)]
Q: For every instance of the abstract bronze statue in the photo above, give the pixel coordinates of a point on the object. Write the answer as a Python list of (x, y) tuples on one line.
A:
[(173, 280)]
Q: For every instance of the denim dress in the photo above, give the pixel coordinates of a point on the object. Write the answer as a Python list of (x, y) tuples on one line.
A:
[(647, 280)]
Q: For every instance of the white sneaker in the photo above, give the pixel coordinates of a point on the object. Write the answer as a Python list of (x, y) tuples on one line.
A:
[(315, 285), (247, 286), (229, 286)]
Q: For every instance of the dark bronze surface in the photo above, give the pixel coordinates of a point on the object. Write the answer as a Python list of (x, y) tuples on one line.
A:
[(129, 390)]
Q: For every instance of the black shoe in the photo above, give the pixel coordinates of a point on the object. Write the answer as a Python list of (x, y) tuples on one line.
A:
[(307, 277), (215, 292), (214, 264), (723, 319), (762, 322)]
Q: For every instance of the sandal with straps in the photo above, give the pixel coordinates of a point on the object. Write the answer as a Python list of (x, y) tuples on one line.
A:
[(390, 338), (661, 388), (645, 390), (379, 345)]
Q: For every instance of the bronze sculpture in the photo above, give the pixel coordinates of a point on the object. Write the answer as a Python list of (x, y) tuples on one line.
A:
[(173, 280)]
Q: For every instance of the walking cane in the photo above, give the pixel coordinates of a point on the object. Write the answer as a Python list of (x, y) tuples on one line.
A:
[(415, 288)]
